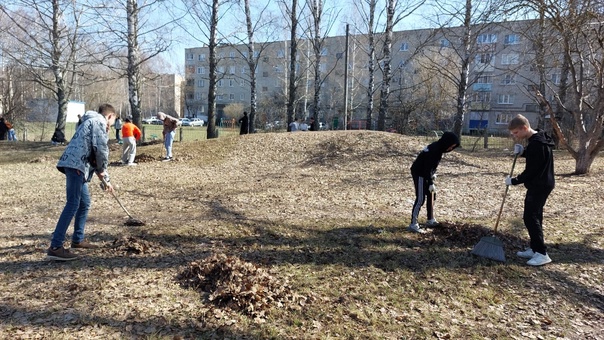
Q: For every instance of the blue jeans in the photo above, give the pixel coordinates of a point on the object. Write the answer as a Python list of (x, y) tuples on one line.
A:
[(78, 204), (169, 138)]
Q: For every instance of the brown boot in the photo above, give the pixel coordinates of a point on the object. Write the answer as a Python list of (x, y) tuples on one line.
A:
[(83, 245)]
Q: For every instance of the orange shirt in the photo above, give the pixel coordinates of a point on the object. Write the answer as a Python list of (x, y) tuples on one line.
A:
[(131, 130)]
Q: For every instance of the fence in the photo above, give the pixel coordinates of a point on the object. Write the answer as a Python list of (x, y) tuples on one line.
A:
[(501, 140)]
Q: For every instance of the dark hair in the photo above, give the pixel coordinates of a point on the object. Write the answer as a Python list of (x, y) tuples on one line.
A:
[(127, 120), (106, 108)]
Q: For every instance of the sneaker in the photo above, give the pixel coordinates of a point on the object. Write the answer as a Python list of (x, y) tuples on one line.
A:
[(432, 223), (167, 159), (539, 260), (60, 254), (414, 227), (527, 254), (83, 245), (132, 164)]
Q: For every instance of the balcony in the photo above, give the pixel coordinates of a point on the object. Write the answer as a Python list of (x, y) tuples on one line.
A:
[(480, 106), (481, 87)]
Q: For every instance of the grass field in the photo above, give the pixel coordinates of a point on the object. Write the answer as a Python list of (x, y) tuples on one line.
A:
[(297, 236)]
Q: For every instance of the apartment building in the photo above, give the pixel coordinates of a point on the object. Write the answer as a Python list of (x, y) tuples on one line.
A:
[(501, 76)]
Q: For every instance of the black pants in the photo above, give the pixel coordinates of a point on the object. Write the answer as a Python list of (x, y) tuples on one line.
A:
[(533, 217), (421, 193)]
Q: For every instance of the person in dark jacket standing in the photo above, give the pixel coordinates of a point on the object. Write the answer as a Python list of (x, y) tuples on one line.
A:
[(423, 172), (244, 127), (538, 178)]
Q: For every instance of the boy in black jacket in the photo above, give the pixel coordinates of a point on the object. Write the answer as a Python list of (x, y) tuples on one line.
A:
[(423, 172), (538, 178)]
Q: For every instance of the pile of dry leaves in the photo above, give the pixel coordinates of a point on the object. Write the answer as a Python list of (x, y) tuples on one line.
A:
[(241, 286)]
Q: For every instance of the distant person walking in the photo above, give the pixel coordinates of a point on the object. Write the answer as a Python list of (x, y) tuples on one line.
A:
[(244, 126), (170, 125), (86, 154), (130, 133), (313, 125), (118, 127), (3, 128)]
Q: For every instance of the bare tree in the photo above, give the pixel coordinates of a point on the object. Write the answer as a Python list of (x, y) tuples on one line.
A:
[(579, 96), (205, 16), (48, 43), (261, 22), (131, 40)]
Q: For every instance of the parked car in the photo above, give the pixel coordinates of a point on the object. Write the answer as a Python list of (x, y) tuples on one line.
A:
[(196, 122), (152, 120), (185, 121)]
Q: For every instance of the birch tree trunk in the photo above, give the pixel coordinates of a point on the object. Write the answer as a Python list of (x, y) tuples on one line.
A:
[(213, 79), (387, 68)]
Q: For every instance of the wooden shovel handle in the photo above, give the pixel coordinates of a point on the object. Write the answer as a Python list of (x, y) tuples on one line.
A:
[(505, 194)]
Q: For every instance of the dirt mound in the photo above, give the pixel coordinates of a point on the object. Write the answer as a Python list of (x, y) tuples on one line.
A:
[(239, 285), (145, 158)]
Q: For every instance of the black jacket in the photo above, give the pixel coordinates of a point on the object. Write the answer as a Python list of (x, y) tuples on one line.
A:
[(427, 161), (539, 171)]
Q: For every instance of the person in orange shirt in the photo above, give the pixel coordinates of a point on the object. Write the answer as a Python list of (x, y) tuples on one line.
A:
[(130, 134)]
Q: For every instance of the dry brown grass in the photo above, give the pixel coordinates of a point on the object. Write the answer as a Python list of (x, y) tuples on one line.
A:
[(323, 213)]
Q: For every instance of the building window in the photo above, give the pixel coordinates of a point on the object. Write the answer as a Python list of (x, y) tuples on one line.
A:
[(484, 58), (190, 82), (481, 97), (510, 59), (278, 69), (280, 54), (484, 79), (231, 69), (231, 82), (220, 69), (404, 47), (219, 97), (219, 84), (324, 51), (189, 56), (264, 89), (201, 70), (503, 118), (232, 55), (241, 97), (322, 67), (201, 57), (201, 83), (486, 39), (232, 96), (190, 96), (203, 109), (508, 79), (243, 70), (242, 83), (444, 43), (265, 59), (511, 39), (505, 99), (198, 96), (556, 78), (265, 74)]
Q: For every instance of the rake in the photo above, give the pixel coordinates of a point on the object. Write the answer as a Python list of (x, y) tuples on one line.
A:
[(131, 220), (491, 247)]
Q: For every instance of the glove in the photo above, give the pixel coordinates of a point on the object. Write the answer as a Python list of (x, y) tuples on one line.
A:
[(518, 149), (508, 180), (432, 188)]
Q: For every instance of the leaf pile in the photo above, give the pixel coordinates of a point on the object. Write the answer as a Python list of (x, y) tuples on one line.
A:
[(131, 245), (145, 158), (236, 284)]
